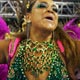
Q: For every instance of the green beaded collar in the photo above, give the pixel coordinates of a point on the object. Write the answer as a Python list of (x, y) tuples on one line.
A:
[(37, 56)]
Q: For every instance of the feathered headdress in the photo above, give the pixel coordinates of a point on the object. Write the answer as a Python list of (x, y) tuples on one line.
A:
[(73, 28), (3, 28)]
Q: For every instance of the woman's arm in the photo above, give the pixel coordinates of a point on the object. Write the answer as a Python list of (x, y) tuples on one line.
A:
[(4, 44)]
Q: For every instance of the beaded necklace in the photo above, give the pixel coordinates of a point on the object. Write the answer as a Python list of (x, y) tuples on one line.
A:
[(37, 57)]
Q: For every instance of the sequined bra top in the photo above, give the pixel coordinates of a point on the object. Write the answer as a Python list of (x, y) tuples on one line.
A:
[(26, 60)]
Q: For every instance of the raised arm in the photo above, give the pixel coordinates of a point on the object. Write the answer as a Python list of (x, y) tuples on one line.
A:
[(4, 51)]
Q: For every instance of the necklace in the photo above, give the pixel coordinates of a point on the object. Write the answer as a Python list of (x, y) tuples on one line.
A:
[(38, 56)]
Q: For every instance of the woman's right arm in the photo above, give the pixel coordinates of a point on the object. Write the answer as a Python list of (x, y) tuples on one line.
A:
[(4, 45)]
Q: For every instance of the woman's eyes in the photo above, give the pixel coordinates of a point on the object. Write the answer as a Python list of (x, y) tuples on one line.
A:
[(55, 9), (42, 5)]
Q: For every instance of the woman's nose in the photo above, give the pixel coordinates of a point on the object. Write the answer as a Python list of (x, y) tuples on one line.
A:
[(49, 9)]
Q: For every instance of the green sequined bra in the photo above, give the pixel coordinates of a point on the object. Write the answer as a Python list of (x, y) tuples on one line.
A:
[(26, 60)]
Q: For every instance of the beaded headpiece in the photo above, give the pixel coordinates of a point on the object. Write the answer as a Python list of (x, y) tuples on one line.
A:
[(28, 4)]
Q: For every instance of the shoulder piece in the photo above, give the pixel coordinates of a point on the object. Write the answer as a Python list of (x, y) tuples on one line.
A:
[(13, 46), (60, 45)]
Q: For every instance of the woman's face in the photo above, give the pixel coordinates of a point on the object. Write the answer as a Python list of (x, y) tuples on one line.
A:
[(44, 15)]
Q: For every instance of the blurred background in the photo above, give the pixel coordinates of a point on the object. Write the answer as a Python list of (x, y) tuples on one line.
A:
[(10, 9)]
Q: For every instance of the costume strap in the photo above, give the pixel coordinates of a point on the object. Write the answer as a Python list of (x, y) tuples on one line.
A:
[(13, 46), (60, 45)]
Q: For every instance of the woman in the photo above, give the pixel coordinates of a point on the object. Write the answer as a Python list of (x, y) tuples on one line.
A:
[(3, 30), (48, 53)]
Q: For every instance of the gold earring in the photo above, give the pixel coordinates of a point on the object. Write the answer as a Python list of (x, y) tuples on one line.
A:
[(26, 22), (26, 19)]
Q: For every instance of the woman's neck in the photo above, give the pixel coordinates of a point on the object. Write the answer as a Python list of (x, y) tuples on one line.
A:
[(40, 35)]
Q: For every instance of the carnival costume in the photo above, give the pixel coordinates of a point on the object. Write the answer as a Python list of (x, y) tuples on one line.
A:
[(25, 60), (38, 57)]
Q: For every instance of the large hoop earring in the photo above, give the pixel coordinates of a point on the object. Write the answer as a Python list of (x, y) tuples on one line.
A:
[(28, 29), (26, 26)]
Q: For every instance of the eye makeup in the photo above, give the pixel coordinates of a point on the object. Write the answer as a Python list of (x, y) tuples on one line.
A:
[(54, 8), (45, 5), (42, 5)]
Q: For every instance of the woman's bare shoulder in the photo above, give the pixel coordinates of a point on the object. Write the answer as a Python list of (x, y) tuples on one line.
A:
[(4, 50), (4, 44)]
